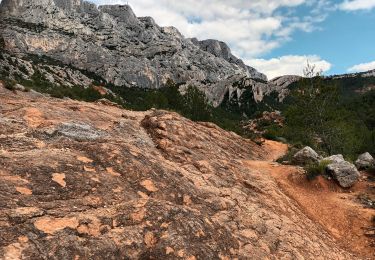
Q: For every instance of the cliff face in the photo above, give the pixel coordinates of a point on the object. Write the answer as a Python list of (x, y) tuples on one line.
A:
[(92, 181), (113, 43)]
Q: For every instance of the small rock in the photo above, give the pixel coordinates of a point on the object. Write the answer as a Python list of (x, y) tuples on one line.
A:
[(19, 87), (107, 102), (305, 156)]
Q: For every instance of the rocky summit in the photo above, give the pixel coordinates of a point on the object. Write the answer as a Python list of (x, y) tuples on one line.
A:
[(111, 42)]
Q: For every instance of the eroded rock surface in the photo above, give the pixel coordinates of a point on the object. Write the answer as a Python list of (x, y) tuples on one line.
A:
[(144, 185), (111, 42)]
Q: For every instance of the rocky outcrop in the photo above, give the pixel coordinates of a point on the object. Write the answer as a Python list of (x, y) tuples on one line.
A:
[(259, 90), (365, 161), (92, 181), (256, 125), (111, 42), (281, 85), (28, 68), (305, 156), (221, 50)]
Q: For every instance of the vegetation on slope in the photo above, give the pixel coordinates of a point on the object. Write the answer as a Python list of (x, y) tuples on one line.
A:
[(328, 114), (320, 113)]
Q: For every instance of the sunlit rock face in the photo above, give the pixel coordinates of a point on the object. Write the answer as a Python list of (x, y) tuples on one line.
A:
[(84, 180), (113, 43)]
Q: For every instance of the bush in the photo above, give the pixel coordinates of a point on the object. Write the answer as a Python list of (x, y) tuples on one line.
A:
[(319, 114), (10, 84), (288, 157), (316, 169), (196, 106)]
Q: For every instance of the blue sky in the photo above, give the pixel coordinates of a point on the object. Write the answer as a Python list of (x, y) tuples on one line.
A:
[(276, 37), (344, 39)]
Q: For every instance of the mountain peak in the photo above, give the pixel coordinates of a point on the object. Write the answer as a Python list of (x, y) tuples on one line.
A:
[(123, 13)]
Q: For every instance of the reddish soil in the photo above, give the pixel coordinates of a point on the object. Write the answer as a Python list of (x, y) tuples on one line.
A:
[(337, 210)]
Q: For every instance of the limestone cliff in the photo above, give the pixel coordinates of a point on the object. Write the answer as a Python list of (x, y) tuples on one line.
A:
[(111, 42)]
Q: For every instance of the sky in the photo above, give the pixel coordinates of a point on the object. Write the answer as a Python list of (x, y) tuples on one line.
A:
[(277, 37)]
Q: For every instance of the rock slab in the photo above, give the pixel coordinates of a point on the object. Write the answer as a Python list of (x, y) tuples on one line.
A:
[(141, 185)]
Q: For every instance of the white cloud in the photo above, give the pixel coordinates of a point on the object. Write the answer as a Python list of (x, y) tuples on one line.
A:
[(362, 67), (251, 28), (289, 65), (354, 5)]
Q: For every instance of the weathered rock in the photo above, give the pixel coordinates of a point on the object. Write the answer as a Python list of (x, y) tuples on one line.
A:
[(305, 156), (15, 67), (78, 131), (157, 186), (221, 50), (334, 158), (111, 42), (365, 161), (344, 172)]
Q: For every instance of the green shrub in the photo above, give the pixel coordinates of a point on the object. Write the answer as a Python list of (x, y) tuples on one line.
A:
[(9, 84), (196, 106), (288, 156), (316, 169)]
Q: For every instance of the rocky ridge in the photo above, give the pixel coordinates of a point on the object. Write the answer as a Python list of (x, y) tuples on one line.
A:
[(111, 42), (74, 42), (92, 181)]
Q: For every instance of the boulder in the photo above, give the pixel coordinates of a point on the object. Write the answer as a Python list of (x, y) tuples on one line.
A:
[(19, 87), (365, 161), (344, 172), (334, 158), (305, 156)]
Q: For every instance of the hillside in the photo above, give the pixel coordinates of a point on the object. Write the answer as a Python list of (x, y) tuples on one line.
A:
[(92, 181), (122, 139), (76, 42)]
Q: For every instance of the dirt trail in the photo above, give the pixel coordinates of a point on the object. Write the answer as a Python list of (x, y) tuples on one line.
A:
[(275, 149), (323, 201)]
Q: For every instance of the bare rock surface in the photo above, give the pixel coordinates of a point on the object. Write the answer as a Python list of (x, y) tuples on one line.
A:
[(111, 42), (149, 185)]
